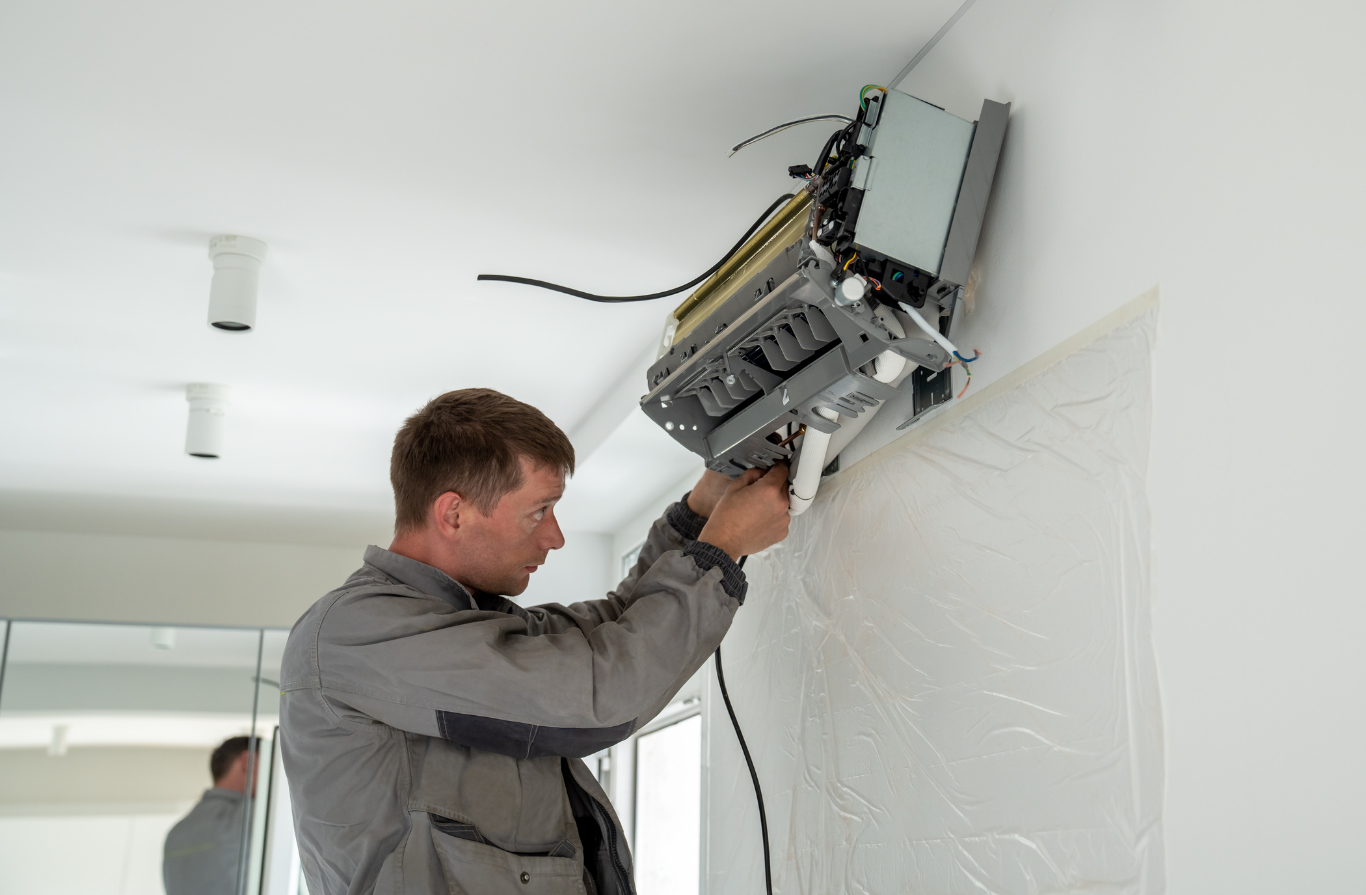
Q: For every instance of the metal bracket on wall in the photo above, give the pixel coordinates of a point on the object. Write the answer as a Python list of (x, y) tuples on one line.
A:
[(930, 388)]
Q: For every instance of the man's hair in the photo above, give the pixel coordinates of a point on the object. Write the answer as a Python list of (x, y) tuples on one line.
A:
[(228, 752), (470, 441)]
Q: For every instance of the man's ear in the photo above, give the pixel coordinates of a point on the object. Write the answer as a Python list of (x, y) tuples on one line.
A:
[(446, 513)]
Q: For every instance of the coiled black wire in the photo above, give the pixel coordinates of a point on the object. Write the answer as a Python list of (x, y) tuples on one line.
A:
[(542, 284), (753, 774)]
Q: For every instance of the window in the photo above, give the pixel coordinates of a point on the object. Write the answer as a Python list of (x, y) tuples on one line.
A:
[(628, 559), (668, 807), (600, 763)]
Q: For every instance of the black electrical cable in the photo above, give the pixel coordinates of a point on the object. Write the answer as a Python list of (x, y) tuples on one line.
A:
[(624, 298), (824, 158), (753, 774)]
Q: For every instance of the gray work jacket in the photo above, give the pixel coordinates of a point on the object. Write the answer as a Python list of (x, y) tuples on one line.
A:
[(432, 736), (202, 850)]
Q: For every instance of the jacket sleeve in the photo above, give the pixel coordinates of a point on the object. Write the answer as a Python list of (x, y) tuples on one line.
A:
[(487, 681)]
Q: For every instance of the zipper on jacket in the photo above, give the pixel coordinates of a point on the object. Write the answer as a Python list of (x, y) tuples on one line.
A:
[(605, 820)]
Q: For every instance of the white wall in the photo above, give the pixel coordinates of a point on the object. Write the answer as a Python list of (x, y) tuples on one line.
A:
[(137, 578), (134, 559), (575, 572), (1211, 148), (103, 779), (244, 568), (118, 854), (629, 536)]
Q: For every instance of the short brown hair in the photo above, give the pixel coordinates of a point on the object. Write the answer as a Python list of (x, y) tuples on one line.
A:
[(470, 441), (226, 753)]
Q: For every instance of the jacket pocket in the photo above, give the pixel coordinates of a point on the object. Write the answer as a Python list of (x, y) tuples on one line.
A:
[(473, 867)]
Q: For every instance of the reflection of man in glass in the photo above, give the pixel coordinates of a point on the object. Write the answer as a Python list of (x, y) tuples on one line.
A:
[(202, 851)]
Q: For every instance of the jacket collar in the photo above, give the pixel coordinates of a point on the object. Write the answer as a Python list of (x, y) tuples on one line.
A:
[(419, 576)]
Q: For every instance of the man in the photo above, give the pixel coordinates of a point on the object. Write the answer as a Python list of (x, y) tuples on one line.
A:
[(202, 851), (432, 728)]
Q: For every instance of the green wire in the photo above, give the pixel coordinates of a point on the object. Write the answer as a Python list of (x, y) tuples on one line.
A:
[(863, 103)]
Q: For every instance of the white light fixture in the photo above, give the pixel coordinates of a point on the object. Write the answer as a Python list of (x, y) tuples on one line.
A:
[(208, 418), (57, 746), (236, 274)]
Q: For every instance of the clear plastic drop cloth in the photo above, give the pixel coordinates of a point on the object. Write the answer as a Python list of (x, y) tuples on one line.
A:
[(946, 673)]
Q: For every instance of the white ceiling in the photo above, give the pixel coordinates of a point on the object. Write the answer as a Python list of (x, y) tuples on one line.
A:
[(387, 153)]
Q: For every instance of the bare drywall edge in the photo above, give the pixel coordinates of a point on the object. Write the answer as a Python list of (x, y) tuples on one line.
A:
[(1126, 312)]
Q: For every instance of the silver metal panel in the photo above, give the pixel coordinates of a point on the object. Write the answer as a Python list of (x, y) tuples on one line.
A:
[(909, 200), (977, 189), (972, 198), (772, 407)]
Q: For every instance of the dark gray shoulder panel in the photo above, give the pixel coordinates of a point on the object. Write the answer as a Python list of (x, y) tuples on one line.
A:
[(527, 740)]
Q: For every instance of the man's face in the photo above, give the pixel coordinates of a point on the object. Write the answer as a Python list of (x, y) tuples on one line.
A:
[(498, 552)]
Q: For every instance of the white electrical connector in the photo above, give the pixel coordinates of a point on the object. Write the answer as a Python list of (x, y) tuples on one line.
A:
[(666, 341)]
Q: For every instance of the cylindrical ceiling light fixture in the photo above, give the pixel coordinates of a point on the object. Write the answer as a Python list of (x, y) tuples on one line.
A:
[(208, 419), (236, 274)]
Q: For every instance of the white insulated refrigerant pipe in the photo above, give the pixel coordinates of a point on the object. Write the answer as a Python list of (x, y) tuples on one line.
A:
[(806, 478)]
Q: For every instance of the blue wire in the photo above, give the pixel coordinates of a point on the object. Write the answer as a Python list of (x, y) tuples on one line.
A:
[(976, 355)]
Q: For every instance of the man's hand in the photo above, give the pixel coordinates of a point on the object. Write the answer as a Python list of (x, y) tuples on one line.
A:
[(707, 493), (751, 515)]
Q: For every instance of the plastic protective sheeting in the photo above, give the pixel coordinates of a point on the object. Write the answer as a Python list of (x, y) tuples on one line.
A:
[(946, 672)]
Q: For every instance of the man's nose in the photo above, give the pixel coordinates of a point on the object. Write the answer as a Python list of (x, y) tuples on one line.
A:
[(551, 536)]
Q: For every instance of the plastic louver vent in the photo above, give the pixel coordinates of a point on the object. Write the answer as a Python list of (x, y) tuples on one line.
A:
[(783, 344)]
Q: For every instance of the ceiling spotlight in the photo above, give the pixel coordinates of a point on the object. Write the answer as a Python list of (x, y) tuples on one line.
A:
[(208, 416), (236, 274)]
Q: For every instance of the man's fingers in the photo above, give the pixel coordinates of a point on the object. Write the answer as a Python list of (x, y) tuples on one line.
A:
[(776, 480), (748, 477), (778, 470), (754, 513)]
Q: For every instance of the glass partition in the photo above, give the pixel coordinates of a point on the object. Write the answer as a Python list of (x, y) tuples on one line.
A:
[(274, 865), (108, 735), (109, 784)]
